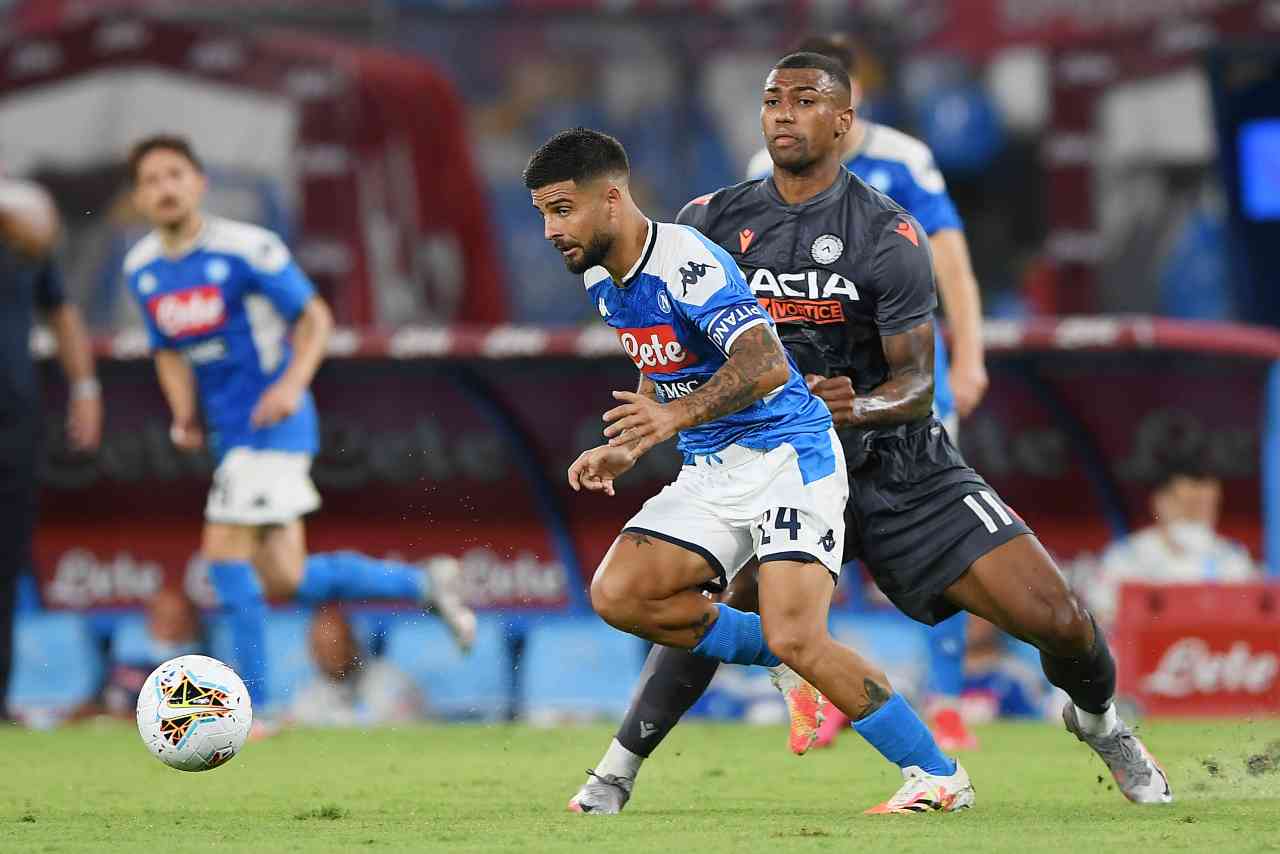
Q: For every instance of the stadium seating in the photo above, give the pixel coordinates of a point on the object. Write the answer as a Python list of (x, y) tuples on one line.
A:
[(577, 667), (475, 686), (57, 663)]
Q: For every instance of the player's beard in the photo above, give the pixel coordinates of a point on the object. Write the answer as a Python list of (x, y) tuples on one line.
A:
[(593, 254)]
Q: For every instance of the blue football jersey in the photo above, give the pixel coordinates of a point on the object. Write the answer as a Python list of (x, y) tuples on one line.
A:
[(228, 304), (901, 167), (678, 312)]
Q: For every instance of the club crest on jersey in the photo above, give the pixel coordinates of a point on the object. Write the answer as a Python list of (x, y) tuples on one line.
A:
[(217, 270), (147, 283), (655, 349), (194, 311), (663, 303), (826, 249)]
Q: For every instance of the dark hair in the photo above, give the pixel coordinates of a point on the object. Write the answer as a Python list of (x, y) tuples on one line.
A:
[(577, 155), (837, 46), (1188, 466), (161, 142), (819, 62)]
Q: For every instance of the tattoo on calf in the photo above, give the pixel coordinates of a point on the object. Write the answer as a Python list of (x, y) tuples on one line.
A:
[(877, 695), (703, 626)]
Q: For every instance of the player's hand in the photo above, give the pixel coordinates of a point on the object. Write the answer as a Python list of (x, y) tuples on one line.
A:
[(837, 393), (596, 469), (640, 422), (84, 422), (969, 385), (277, 403), (186, 435)]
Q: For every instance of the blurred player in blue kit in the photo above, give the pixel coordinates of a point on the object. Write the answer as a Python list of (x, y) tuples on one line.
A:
[(763, 483), (238, 332), (902, 168)]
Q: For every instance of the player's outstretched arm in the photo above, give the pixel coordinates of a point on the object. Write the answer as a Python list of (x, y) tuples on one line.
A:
[(179, 386), (905, 397), (757, 365)]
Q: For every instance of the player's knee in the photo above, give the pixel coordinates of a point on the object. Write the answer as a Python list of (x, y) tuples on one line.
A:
[(1067, 629), (794, 642), (615, 598)]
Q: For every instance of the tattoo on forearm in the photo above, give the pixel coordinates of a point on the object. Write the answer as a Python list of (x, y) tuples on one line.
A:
[(908, 393), (737, 384), (647, 388), (703, 626)]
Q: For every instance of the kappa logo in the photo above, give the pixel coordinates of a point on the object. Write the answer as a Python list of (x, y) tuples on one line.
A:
[(604, 309), (829, 540), (692, 272)]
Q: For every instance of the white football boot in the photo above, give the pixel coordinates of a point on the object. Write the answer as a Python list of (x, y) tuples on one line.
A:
[(923, 792)]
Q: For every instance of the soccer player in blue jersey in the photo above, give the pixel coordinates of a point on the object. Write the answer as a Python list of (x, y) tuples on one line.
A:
[(238, 332), (763, 476), (902, 168)]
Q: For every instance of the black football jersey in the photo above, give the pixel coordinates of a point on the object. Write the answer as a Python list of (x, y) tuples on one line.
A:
[(835, 272)]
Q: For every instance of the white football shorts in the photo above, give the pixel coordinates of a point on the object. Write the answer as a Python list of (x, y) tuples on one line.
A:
[(253, 487), (782, 504)]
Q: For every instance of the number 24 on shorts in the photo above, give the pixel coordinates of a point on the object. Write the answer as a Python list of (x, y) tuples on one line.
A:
[(788, 520)]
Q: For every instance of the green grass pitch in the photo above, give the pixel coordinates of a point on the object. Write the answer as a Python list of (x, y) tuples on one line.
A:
[(710, 788)]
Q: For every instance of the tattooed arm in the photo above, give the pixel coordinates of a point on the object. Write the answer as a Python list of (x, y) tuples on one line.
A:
[(647, 388), (757, 365), (906, 396)]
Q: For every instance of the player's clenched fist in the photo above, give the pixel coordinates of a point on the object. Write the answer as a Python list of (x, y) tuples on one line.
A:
[(186, 435), (837, 393), (640, 422), (596, 469)]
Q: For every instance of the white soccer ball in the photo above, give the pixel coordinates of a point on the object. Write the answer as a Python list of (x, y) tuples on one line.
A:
[(194, 713)]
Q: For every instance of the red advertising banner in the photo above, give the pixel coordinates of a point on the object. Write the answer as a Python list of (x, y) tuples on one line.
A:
[(456, 441), (1200, 649)]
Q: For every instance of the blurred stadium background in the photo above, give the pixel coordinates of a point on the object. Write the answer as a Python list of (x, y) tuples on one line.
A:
[(1116, 163)]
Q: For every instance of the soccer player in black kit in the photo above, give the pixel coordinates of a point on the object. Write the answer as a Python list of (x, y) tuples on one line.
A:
[(823, 252)]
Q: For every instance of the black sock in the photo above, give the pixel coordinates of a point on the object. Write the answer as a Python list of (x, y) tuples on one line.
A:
[(1090, 681), (671, 682)]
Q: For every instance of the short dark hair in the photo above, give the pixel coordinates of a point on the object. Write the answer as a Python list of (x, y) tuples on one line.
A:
[(837, 46), (578, 155), (818, 62), (1189, 466), (161, 142)]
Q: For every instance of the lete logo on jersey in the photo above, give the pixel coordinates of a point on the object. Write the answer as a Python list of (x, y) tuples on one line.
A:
[(194, 311), (655, 349)]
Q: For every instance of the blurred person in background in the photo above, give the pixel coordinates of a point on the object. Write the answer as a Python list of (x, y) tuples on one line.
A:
[(999, 683), (902, 168), (349, 690), (238, 332), (1182, 546), (30, 280), (173, 628)]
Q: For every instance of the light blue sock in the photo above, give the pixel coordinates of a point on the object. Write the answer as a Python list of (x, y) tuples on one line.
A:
[(241, 598), (946, 656), (353, 576), (736, 637), (897, 732)]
